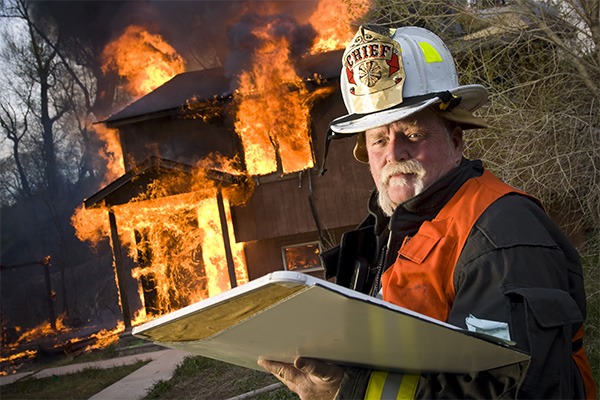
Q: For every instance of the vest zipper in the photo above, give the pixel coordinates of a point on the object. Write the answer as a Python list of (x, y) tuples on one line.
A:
[(380, 266)]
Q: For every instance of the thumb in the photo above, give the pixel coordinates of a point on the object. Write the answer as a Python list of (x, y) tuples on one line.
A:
[(325, 372)]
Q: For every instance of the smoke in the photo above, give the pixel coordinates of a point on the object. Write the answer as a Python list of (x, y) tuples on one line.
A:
[(205, 33), (244, 41)]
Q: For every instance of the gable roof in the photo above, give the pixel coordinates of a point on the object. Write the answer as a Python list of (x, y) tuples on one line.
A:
[(202, 84), (208, 84)]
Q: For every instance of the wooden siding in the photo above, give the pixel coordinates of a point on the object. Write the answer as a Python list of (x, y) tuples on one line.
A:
[(185, 141)]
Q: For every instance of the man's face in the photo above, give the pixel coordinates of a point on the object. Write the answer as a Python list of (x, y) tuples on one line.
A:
[(409, 155)]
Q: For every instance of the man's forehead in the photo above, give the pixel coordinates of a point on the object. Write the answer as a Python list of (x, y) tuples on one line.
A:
[(403, 124), (424, 118)]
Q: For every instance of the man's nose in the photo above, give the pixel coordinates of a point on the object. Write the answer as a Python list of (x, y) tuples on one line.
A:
[(397, 150)]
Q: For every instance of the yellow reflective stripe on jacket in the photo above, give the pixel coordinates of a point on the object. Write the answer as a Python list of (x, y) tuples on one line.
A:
[(391, 386)]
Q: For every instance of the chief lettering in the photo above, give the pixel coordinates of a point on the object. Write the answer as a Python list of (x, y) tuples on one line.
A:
[(368, 51)]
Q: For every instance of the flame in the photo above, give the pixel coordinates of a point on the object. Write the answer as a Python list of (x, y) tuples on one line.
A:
[(144, 59), (17, 356), (106, 337), (168, 249), (333, 19), (183, 234), (42, 330), (177, 240), (273, 101), (111, 152), (273, 115), (91, 225)]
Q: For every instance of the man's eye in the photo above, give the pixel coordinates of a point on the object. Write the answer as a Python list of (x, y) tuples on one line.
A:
[(415, 135), (376, 142)]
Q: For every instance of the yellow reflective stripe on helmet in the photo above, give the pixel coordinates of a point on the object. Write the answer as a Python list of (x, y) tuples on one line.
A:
[(391, 386), (430, 53)]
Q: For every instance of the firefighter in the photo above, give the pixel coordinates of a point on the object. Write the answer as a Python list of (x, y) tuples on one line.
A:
[(444, 237)]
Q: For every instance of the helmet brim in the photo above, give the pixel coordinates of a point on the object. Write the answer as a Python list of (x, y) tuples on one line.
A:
[(472, 97)]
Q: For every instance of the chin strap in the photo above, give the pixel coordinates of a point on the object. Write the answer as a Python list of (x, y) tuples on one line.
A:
[(328, 137)]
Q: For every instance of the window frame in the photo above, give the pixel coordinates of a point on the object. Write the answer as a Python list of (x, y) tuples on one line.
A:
[(295, 245)]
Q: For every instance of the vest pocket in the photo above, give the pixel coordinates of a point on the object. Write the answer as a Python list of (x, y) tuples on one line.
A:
[(420, 246), (421, 277)]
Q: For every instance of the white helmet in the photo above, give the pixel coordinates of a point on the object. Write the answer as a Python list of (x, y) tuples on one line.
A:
[(390, 74)]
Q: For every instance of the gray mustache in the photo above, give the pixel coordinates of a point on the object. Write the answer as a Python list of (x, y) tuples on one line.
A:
[(405, 167)]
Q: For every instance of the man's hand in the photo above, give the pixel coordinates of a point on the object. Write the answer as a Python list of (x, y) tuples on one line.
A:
[(309, 378)]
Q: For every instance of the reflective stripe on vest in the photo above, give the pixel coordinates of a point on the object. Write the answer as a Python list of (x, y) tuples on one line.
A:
[(383, 385)]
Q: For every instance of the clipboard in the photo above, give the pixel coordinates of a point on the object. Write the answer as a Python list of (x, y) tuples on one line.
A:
[(286, 314)]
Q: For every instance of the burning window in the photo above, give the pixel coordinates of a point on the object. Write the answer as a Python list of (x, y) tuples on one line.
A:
[(302, 257)]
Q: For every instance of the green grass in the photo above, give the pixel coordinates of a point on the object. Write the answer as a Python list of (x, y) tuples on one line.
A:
[(76, 386), (203, 378)]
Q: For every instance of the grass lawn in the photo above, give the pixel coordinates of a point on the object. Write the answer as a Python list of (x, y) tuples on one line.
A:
[(203, 378), (77, 386)]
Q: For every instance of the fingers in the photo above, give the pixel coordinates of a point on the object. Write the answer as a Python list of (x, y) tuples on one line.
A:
[(308, 366), (286, 373), (282, 371), (325, 372), (309, 378)]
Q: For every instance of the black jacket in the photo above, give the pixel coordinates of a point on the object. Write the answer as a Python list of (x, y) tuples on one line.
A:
[(516, 266)]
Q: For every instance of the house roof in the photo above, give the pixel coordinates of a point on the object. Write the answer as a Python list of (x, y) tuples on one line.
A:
[(202, 84), (208, 84)]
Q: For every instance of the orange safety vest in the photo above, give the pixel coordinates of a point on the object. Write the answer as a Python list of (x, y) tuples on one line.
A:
[(421, 279)]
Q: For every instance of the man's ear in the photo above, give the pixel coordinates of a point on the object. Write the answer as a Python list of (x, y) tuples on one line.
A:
[(457, 138)]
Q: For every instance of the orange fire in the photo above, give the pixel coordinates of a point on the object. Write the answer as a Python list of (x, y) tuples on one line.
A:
[(102, 339), (106, 337), (182, 251), (273, 115), (273, 101), (40, 331), (145, 60), (177, 240), (333, 22), (111, 152)]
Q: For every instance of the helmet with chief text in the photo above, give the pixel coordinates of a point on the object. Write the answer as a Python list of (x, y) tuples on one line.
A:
[(389, 74)]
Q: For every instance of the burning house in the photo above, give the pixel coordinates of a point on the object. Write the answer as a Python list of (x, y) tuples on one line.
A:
[(222, 182), (213, 170)]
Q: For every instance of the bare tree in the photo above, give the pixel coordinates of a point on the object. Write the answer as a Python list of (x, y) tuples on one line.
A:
[(47, 97), (40, 95), (15, 129)]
